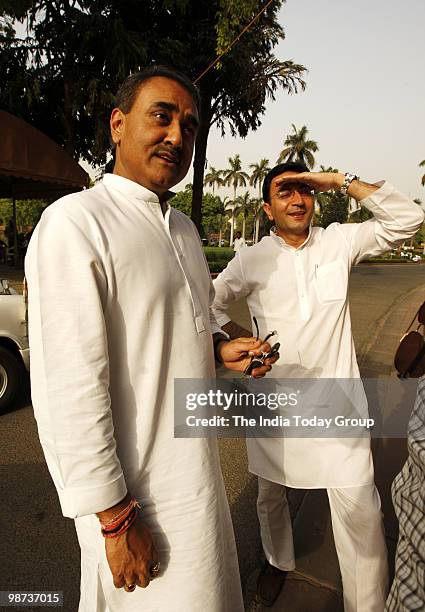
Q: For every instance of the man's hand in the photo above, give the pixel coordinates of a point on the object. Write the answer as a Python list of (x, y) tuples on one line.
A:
[(319, 181), (236, 355), (130, 556), (325, 181)]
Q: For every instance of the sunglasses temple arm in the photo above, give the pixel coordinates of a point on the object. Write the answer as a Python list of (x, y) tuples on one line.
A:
[(256, 327)]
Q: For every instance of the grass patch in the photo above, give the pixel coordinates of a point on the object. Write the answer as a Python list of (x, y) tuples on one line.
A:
[(218, 253), (217, 266), (218, 257)]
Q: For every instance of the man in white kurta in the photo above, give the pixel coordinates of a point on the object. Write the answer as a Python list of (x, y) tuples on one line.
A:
[(119, 306), (239, 243), (295, 281)]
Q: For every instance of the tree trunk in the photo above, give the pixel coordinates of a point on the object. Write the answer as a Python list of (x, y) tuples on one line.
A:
[(199, 161), (233, 216), (232, 226), (243, 226)]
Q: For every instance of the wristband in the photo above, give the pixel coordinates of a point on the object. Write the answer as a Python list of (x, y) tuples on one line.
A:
[(121, 521)]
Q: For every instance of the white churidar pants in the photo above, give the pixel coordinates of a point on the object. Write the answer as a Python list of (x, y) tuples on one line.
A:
[(358, 534)]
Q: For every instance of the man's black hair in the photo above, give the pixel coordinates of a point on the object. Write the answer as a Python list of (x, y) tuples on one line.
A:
[(127, 91), (296, 166)]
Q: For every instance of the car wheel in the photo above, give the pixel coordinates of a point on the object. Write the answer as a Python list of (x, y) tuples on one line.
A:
[(10, 370)]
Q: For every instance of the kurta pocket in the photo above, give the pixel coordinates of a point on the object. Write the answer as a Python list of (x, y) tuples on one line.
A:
[(331, 282)]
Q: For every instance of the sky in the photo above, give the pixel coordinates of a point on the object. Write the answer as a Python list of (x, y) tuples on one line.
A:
[(365, 98)]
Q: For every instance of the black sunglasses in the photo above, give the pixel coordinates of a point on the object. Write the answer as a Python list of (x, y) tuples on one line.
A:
[(257, 362)]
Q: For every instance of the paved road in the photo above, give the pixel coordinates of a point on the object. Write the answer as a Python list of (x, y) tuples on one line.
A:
[(39, 546)]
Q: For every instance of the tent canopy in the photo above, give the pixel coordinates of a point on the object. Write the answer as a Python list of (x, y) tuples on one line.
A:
[(34, 166)]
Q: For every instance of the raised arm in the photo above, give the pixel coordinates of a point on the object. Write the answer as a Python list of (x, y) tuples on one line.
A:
[(395, 217)]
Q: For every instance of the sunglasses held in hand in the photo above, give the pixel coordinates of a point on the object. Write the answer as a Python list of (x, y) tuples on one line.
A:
[(258, 361)]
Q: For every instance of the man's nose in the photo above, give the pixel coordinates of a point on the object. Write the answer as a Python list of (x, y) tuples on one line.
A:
[(296, 198), (174, 134)]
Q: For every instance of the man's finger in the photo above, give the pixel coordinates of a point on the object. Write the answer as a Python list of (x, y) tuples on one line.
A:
[(272, 360), (300, 177), (130, 582), (118, 581), (260, 372), (143, 580), (245, 344), (243, 341), (265, 347)]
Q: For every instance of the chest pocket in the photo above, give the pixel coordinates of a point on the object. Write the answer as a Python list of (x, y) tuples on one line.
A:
[(331, 282)]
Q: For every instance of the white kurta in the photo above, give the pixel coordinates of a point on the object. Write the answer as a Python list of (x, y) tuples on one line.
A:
[(302, 293), (119, 306)]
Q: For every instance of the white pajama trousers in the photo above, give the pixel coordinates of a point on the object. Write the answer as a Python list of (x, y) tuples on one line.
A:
[(358, 534)]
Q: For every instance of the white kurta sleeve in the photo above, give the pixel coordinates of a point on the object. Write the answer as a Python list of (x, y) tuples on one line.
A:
[(215, 327), (69, 365), (395, 219), (229, 286)]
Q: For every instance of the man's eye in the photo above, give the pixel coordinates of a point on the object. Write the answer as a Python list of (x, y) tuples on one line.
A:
[(162, 116), (284, 193), (188, 129)]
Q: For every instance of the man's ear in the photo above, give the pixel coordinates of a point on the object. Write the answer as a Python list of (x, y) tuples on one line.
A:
[(116, 124), (268, 210)]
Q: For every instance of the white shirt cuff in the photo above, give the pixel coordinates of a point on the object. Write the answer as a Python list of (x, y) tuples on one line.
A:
[(79, 502)]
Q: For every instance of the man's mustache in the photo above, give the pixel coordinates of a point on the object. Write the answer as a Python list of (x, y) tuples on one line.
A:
[(172, 153)]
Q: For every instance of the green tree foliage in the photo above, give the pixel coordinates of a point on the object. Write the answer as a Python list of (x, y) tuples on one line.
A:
[(212, 206), (28, 212), (333, 205), (259, 173), (61, 76), (183, 200), (214, 178), (234, 176), (299, 148)]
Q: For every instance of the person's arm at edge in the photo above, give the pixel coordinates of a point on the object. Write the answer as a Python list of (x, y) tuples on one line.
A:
[(395, 217), (229, 287)]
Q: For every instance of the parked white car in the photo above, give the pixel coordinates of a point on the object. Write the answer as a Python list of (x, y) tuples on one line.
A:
[(14, 350)]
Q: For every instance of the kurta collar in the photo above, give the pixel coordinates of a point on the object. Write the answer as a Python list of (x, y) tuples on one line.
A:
[(281, 242), (131, 189)]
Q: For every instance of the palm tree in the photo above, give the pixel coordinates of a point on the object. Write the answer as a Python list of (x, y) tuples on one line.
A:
[(235, 177), (213, 178), (256, 207), (244, 205), (231, 208), (221, 211), (298, 148), (421, 165), (259, 173)]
